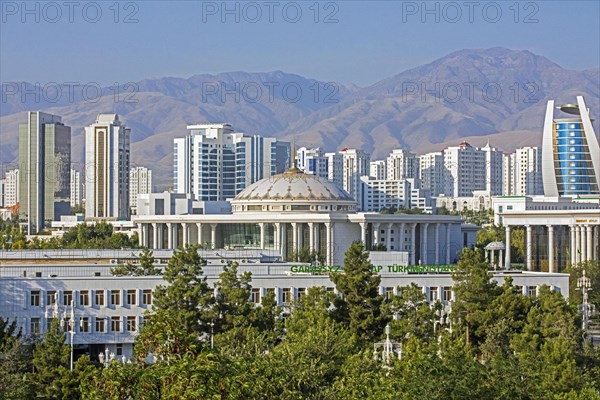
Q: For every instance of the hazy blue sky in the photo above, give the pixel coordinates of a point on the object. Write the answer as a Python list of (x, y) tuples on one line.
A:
[(348, 41)]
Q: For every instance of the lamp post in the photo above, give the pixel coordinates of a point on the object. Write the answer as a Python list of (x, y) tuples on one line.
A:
[(387, 348), (71, 324), (587, 310), (106, 358)]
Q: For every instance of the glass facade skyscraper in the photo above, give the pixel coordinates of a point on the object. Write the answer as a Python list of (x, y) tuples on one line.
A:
[(570, 152)]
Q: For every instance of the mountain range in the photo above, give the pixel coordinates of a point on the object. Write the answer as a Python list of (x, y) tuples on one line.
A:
[(477, 95)]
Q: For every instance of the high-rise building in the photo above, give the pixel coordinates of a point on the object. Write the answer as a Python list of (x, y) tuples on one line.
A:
[(335, 168), (527, 169), (570, 152), (378, 194), (10, 189), (508, 174), (107, 158), (140, 182), (493, 170), (378, 169), (44, 169), (432, 172), (355, 164), (312, 161), (464, 170), (402, 164), (215, 163), (76, 188)]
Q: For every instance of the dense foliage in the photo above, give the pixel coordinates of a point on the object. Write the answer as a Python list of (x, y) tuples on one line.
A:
[(215, 343)]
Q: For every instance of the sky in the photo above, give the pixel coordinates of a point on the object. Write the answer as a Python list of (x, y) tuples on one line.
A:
[(358, 42)]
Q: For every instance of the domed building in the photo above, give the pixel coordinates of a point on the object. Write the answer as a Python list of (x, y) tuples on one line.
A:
[(292, 211)]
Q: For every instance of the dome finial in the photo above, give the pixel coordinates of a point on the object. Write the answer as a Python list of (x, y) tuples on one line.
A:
[(293, 169)]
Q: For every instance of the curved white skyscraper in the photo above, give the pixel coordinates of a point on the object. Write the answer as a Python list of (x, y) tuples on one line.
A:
[(570, 152)]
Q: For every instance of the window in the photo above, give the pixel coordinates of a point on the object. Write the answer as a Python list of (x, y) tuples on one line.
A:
[(131, 324), (35, 326), (84, 324), (255, 295), (84, 298), (115, 297), (35, 298), (433, 294), (115, 324), (51, 297), (286, 295), (447, 293), (67, 297), (301, 292), (99, 297), (131, 297), (532, 291), (119, 349), (147, 297), (100, 325), (389, 293)]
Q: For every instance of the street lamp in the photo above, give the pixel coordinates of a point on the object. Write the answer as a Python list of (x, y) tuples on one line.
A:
[(586, 309), (71, 323), (107, 357), (387, 348)]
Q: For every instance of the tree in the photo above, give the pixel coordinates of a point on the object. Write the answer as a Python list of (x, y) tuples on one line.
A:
[(181, 311), (360, 306), (474, 291), (412, 314), (15, 363), (50, 361), (144, 268), (232, 302), (592, 271)]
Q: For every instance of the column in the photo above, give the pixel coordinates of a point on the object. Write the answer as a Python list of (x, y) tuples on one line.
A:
[(277, 236), (507, 255), (146, 228), (175, 236), (329, 243), (311, 236), (154, 236), (589, 247), (577, 244), (492, 258), (213, 236), (363, 234), (199, 229), (448, 226), (169, 235), (283, 241), (140, 229), (437, 244), (161, 241), (261, 225), (375, 233), (389, 236), (528, 248), (295, 248), (500, 258), (583, 244), (401, 237), (317, 237), (551, 248), (184, 226), (413, 253), (424, 244), (573, 245)]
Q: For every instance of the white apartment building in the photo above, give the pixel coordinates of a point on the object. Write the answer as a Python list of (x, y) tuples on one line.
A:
[(508, 174), (76, 188), (465, 173), (528, 172), (432, 172), (378, 169), (9, 189), (355, 165), (214, 163), (335, 168), (312, 161), (377, 194), (402, 164), (107, 158), (140, 182), (493, 170)]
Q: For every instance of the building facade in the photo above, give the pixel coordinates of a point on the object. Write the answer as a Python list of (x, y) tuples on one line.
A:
[(570, 152), (464, 170), (432, 172), (140, 182), (76, 188), (44, 170), (312, 161), (10, 189), (107, 160), (402, 164), (215, 163)]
